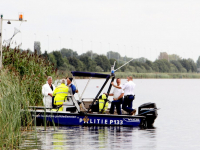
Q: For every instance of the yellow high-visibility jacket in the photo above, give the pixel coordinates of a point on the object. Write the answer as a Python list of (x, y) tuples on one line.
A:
[(60, 94), (101, 104)]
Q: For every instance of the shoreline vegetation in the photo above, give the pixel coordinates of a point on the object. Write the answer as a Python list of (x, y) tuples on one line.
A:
[(124, 75), (165, 66), (24, 73), (21, 79)]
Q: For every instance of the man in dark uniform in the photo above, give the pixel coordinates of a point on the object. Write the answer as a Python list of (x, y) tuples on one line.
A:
[(72, 87)]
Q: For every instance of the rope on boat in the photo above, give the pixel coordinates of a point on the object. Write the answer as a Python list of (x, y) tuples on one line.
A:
[(124, 64)]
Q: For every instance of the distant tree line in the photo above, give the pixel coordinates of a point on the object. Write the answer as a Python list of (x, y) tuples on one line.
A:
[(69, 60)]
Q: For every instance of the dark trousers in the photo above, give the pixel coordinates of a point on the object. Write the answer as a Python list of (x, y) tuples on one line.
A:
[(127, 104), (117, 104)]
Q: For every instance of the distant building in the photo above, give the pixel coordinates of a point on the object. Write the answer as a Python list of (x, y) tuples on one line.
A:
[(37, 47)]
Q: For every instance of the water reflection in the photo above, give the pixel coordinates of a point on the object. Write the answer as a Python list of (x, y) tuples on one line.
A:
[(91, 137)]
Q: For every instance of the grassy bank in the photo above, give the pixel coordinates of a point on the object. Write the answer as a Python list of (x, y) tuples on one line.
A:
[(21, 80), (158, 75), (12, 99)]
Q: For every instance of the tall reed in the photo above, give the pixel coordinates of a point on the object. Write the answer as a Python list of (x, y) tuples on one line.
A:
[(11, 100), (20, 86)]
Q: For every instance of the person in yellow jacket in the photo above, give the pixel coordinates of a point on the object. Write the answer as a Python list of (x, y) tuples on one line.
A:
[(60, 94), (103, 103)]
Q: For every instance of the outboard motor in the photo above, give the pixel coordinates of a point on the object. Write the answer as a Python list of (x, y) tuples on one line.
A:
[(149, 110)]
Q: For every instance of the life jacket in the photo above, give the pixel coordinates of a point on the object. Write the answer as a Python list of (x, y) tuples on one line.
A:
[(60, 94), (102, 102), (60, 109)]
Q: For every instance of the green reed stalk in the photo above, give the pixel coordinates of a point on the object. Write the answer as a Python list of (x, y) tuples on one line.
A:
[(20, 85)]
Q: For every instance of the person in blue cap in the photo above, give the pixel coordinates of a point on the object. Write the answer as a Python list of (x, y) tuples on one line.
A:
[(72, 88)]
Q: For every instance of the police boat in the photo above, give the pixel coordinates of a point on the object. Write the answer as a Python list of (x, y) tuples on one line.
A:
[(87, 112)]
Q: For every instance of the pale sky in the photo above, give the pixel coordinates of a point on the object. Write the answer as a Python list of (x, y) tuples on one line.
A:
[(134, 28)]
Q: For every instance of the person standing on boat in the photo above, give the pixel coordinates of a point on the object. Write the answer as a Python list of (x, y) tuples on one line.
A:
[(60, 94), (128, 95), (117, 98), (47, 92), (72, 88)]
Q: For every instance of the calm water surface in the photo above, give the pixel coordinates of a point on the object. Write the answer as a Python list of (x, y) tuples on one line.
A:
[(177, 125)]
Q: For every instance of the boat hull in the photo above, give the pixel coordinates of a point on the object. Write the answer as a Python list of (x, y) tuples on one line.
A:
[(73, 119)]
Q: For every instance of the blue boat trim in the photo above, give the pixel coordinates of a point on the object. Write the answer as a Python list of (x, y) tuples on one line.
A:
[(73, 119)]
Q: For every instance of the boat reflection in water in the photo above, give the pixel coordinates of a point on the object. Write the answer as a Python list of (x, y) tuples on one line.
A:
[(92, 137)]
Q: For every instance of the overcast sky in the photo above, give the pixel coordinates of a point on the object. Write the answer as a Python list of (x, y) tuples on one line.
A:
[(134, 28)]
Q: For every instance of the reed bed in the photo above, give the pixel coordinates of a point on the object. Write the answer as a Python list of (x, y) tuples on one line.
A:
[(21, 80), (12, 100)]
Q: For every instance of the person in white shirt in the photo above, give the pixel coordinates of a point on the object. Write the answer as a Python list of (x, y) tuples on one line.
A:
[(117, 98), (47, 92), (128, 95)]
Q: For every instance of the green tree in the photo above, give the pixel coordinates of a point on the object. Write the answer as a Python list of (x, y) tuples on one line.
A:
[(198, 62), (113, 55), (90, 54), (177, 64), (98, 69), (59, 59), (173, 68), (45, 55), (149, 63), (79, 65), (53, 60), (103, 62), (68, 53), (135, 63), (162, 65), (193, 65), (112, 63), (174, 57), (186, 64), (90, 65)]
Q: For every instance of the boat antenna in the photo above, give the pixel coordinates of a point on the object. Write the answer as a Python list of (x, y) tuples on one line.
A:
[(123, 65)]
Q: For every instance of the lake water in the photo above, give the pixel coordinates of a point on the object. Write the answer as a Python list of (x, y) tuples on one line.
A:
[(177, 125)]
